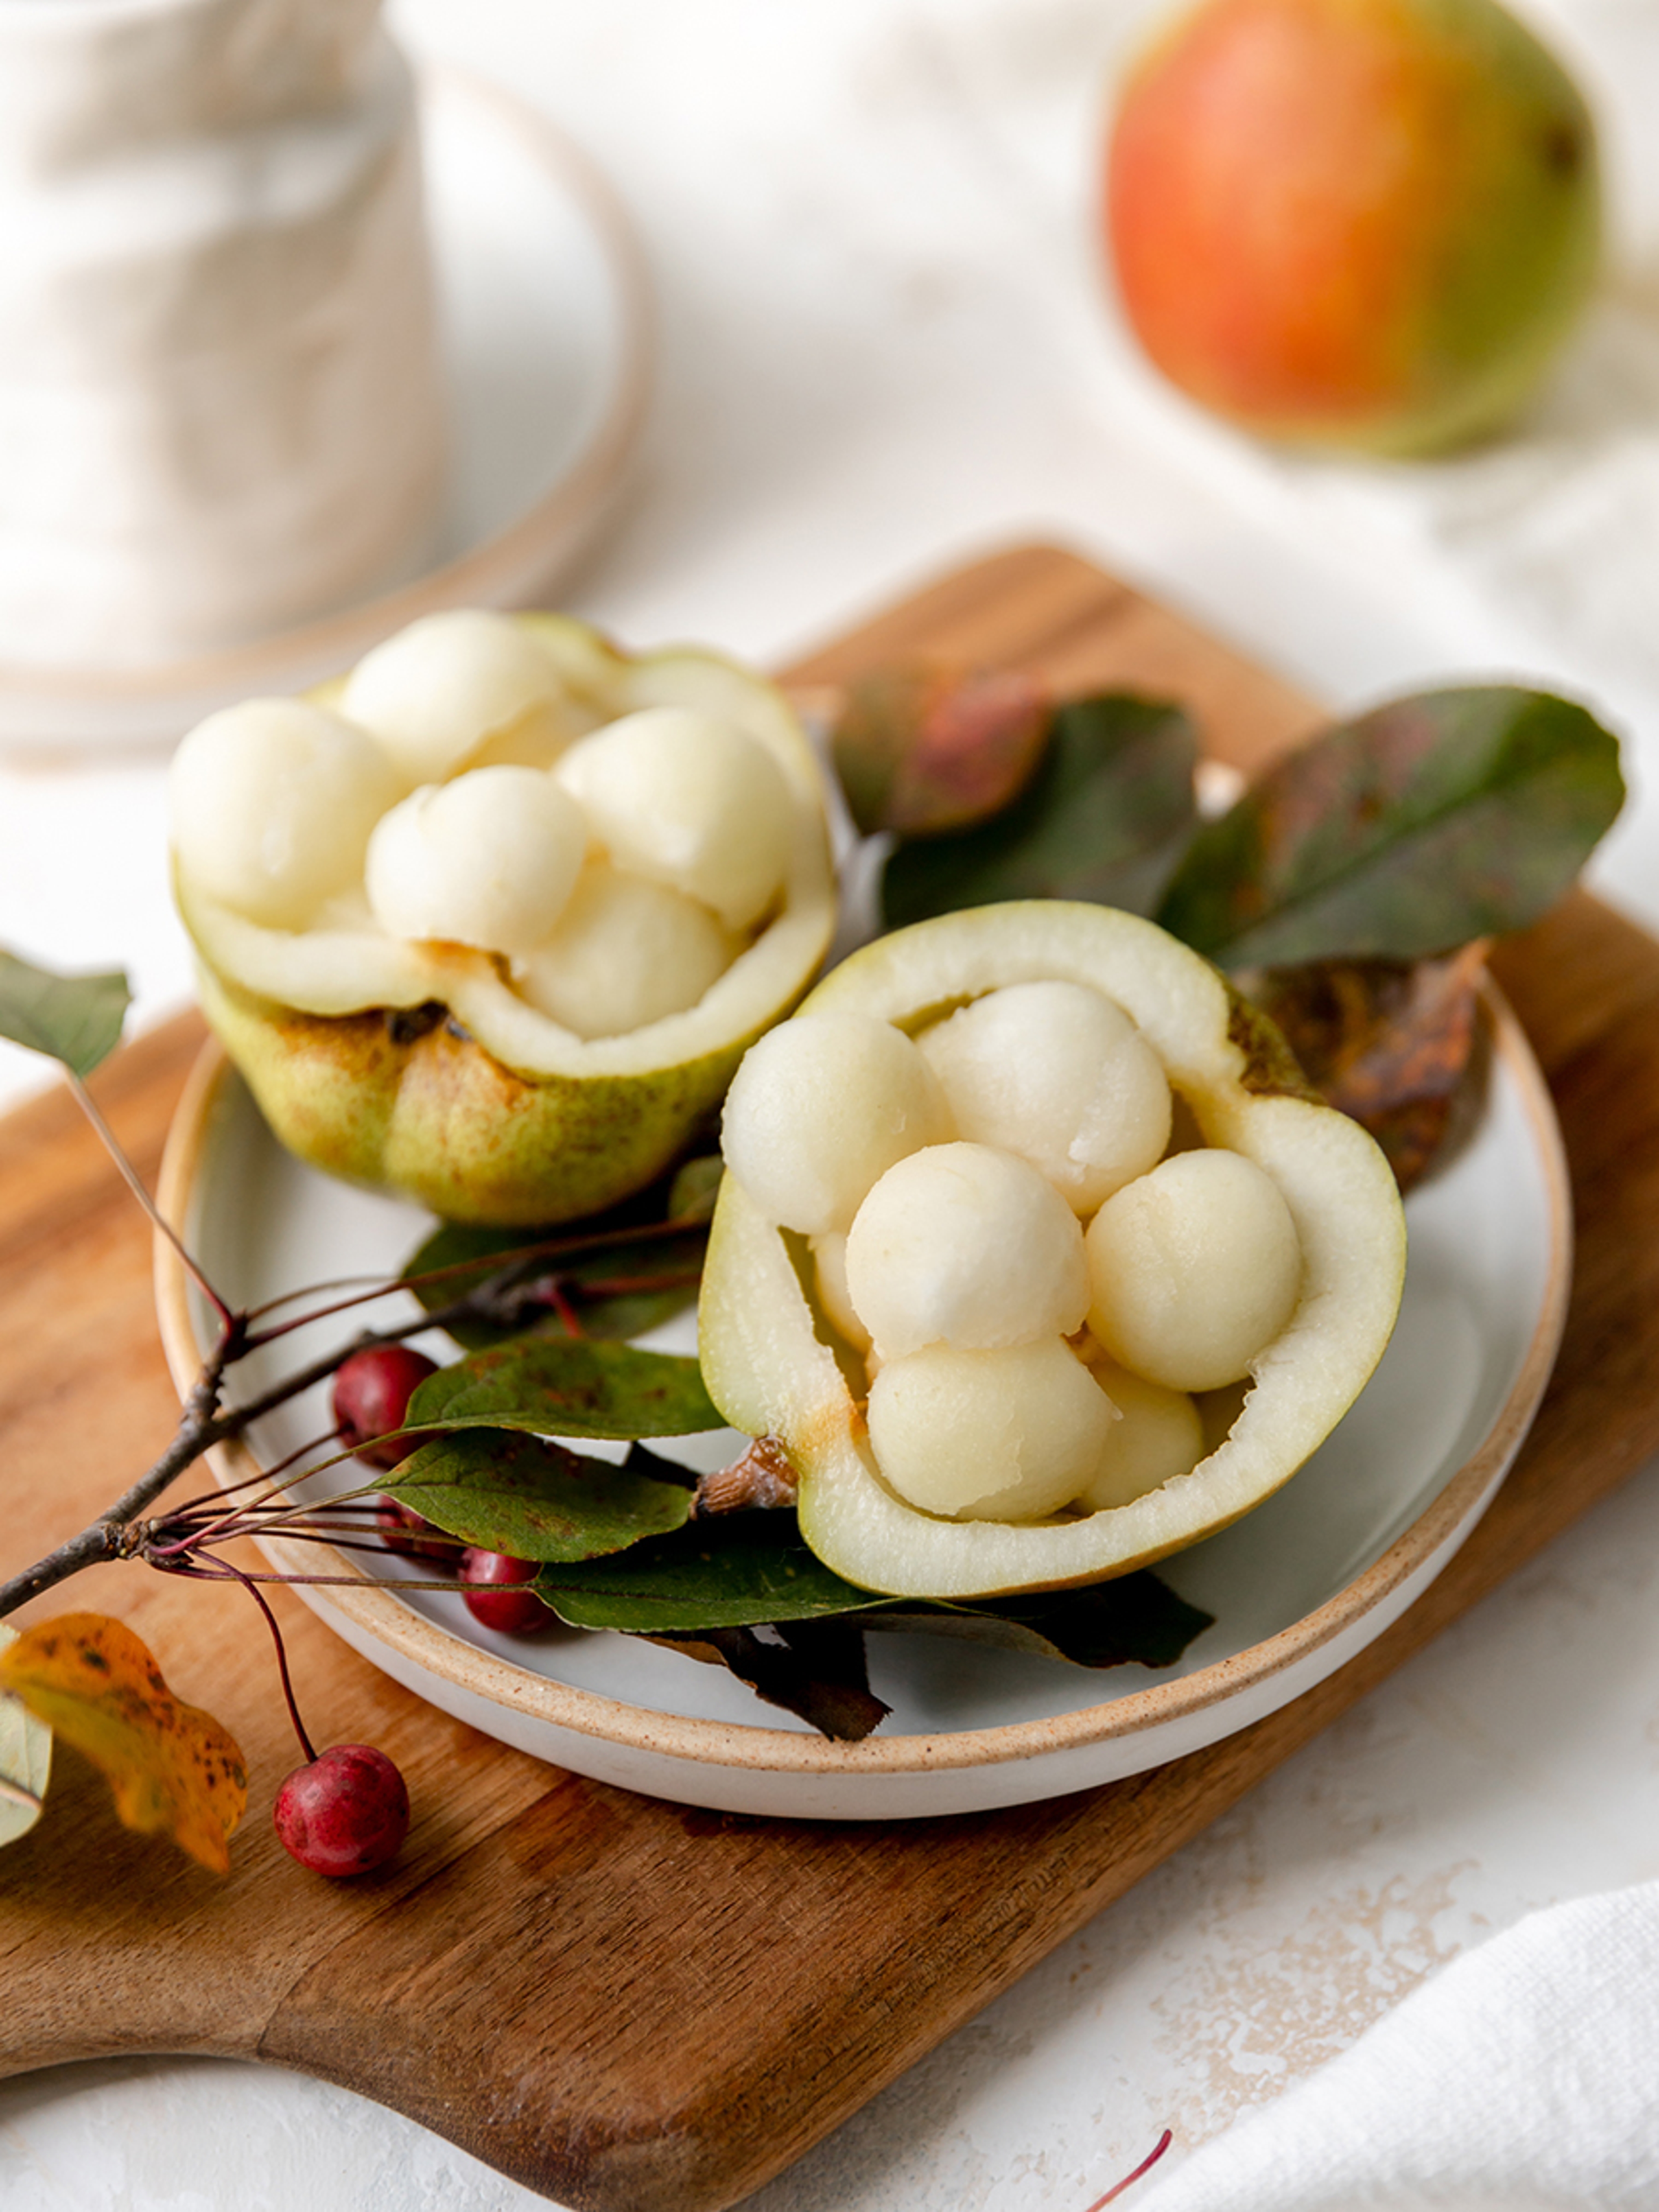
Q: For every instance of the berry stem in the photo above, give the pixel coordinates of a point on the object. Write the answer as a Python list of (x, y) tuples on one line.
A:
[(258, 1596), (134, 1183), (499, 1271), (223, 1572), (1144, 2166)]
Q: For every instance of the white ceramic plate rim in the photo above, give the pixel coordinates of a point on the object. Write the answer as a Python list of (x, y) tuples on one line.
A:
[(1172, 1717)]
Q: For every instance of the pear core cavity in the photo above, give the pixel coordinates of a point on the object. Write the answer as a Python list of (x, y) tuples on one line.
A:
[(957, 1426), (419, 843)]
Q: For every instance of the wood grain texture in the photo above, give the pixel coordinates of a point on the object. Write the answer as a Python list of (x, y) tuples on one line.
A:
[(627, 2004)]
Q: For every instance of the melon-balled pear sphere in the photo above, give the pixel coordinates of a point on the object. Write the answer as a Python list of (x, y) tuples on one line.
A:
[(1059, 1074), (1194, 1270), (965, 1245), (1158, 1435), (829, 1278), (436, 690), (488, 860), (626, 953), (989, 1436), (691, 801), (272, 803), (823, 1106)]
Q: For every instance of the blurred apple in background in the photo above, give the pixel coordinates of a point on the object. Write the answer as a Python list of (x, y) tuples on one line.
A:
[(1365, 224)]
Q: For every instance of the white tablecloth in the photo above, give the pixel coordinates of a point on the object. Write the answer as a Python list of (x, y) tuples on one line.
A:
[(884, 347)]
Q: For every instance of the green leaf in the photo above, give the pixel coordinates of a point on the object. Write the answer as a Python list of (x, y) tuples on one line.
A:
[(1135, 1619), (76, 1019), (1102, 819), (692, 1194), (618, 1293), (733, 1571), (25, 1760), (1439, 819), (567, 1387), (534, 1500), (748, 1569), (925, 750)]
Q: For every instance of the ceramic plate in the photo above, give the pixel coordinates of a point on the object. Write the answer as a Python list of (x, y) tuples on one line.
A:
[(1297, 1588), (545, 317)]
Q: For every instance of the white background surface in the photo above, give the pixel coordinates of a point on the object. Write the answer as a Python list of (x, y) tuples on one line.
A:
[(883, 349)]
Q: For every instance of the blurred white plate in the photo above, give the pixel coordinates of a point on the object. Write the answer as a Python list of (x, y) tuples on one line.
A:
[(1297, 1586), (546, 318)]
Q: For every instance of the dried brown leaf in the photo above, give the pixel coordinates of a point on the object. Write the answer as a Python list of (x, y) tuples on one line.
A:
[(172, 1769), (1389, 1041)]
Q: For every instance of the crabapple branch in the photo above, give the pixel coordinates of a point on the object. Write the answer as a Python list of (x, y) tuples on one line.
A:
[(203, 1424)]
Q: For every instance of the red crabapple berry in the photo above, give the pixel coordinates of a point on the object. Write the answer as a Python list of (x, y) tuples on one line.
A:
[(345, 1813), (372, 1391), (409, 1534), (513, 1612)]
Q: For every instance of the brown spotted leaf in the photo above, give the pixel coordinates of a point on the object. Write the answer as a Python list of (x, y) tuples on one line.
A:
[(567, 1387), (1444, 816), (172, 1769), (1389, 1042), (535, 1500), (921, 751)]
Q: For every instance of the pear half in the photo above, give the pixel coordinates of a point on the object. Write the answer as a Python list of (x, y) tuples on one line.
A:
[(774, 1366), (416, 1067)]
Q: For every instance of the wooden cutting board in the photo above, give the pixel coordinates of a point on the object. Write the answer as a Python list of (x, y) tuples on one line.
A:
[(627, 2004)]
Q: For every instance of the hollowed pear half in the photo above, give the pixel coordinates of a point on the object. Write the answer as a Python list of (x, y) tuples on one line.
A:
[(418, 1068), (774, 1365)]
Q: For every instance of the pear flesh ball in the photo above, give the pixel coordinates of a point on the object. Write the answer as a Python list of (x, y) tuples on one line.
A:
[(964, 1245), (820, 1108), (272, 803), (1157, 1436), (1060, 1074), (488, 860), (830, 1279), (693, 802), (1009, 1435), (1194, 1270), (433, 693), (627, 952)]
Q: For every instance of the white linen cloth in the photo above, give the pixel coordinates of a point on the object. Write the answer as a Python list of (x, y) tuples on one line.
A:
[(1524, 2078)]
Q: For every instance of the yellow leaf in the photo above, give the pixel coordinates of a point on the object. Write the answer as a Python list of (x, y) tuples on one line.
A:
[(25, 1760), (172, 1769)]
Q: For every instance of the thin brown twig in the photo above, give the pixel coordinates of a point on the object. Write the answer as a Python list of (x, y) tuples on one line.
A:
[(202, 1426)]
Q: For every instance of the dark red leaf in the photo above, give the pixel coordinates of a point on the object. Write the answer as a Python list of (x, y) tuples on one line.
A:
[(921, 751)]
